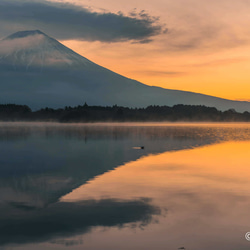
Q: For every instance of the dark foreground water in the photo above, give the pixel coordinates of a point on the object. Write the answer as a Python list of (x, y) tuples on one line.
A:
[(93, 187)]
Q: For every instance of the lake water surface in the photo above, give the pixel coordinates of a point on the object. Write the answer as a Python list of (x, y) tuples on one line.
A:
[(93, 186)]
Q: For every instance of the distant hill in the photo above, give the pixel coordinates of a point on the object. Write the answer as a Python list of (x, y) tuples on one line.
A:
[(38, 71)]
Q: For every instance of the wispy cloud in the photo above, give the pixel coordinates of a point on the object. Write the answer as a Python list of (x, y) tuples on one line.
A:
[(208, 26), (67, 21), (71, 219), (161, 73), (218, 62)]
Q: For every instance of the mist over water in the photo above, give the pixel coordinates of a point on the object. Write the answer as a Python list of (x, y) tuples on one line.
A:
[(124, 186)]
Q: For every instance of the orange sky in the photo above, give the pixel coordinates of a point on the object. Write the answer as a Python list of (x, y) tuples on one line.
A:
[(206, 48)]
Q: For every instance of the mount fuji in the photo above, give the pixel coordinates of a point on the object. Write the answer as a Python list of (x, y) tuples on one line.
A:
[(39, 71)]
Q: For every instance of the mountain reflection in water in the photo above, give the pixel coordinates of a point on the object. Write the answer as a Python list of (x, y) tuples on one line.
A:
[(62, 181)]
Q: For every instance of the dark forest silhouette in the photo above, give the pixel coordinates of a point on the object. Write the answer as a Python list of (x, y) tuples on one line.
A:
[(86, 113)]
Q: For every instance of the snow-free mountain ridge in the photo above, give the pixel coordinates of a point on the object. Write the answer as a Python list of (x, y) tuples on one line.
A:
[(38, 71)]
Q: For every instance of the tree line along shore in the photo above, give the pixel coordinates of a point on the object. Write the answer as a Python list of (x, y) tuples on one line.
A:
[(86, 113)]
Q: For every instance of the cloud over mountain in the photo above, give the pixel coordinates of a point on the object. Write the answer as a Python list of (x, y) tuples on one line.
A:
[(67, 21)]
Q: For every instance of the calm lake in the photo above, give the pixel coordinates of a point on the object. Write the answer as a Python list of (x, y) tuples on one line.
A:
[(124, 186)]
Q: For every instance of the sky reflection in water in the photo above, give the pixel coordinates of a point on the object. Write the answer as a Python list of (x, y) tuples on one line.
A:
[(87, 188)]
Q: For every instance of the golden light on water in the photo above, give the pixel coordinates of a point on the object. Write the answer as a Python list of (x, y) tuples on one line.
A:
[(221, 166)]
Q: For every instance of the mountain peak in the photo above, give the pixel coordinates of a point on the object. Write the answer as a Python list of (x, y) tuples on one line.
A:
[(34, 50), (25, 33)]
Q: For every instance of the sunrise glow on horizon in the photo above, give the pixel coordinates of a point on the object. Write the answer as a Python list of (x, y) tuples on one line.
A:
[(211, 75)]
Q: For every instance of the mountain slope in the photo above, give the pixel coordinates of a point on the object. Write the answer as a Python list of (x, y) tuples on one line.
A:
[(37, 70)]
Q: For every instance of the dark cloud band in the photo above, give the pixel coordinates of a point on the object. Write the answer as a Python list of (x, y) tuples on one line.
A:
[(66, 21)]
